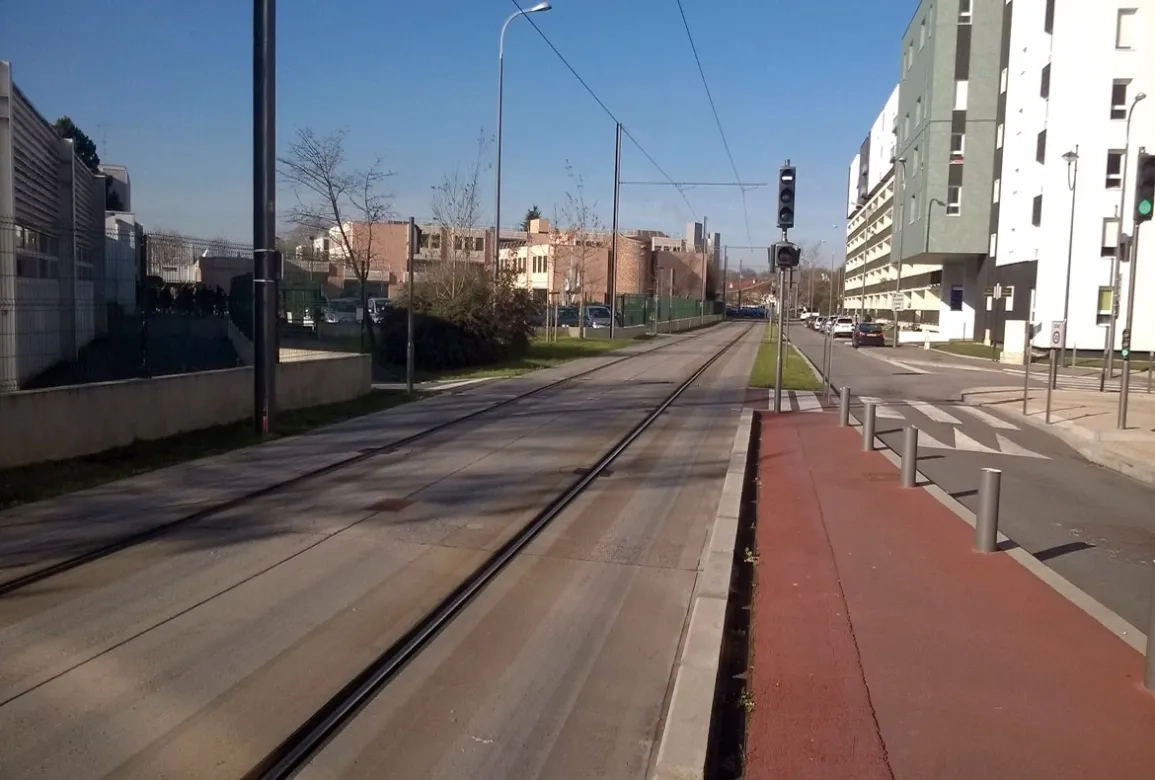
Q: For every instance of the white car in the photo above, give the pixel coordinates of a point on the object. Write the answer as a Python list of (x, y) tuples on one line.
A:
[(843, 328)]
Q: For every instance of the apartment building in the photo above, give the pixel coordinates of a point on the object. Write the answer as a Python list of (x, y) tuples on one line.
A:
[(869, 277), (52, 244), (1071, 118)]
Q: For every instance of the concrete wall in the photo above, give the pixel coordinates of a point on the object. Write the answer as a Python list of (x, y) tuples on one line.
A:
[(68, 422)]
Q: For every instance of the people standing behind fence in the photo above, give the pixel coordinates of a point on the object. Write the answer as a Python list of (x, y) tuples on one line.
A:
[(191, 300)]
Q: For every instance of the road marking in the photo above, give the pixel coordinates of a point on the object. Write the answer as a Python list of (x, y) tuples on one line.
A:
[(807, 402), (1010, 448), (950, 366), (930, 442), (934, 413), (988, 418), (881, 409), (964, 442), (897, 363)]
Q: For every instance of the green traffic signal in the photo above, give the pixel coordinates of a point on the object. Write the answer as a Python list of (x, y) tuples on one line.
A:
[(1144, 208)]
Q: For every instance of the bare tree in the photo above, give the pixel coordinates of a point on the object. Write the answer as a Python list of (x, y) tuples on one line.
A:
[(335, 200), (456, 206), (577, 240), (170, 256)]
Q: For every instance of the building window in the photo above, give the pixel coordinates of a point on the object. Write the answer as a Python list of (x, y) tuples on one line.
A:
[(1037, 211), (999, 136), (1125, 28), (1041, 147), (1103, 312), (918, 112), (953, 200), (916, 160), (997, 189), (994, 245), (921, 34), (956, 297), (1114, 169), (1110, 237), (964, 12), (913, 208), (960, 95), (909, 56), (1003, 82), (1119, 99), (957, 140), (906, 127), (1045, 81), (1049, 17)]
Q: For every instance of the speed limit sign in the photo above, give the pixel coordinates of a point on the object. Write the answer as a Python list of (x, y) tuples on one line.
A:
[(1058, 333)]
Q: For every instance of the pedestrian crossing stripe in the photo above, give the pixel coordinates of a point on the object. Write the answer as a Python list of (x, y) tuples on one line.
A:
[(988, 418), (934, 413), (799, 400)]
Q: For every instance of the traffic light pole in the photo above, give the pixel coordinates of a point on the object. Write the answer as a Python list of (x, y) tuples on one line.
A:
[(409, 351), (1125, 379), (781, 340)]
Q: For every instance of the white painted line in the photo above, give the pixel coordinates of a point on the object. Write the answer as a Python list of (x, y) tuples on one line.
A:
[(988, 418), (1008, 447), (807, 402), (898, 364), (930, 442), (964, 442), (934, 413), (881, 409), (1097, 611)]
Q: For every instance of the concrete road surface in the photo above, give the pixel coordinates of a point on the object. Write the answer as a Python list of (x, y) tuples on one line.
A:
[(195, 654), (1093, 526)]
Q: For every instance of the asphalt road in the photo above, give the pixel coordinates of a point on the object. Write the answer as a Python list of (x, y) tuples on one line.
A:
[(1091, 525), (193, 655)]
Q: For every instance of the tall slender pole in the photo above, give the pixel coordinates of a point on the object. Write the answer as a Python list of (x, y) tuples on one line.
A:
[(705, 242), (613, 270), (1108, 371), (781, 342), (497, 174), (409, 351), (264, 214), (1073, 183), (1125, 378)]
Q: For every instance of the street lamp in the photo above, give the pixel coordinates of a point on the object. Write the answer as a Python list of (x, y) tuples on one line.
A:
[(1072, 160), (1108, 371), (543, 6)]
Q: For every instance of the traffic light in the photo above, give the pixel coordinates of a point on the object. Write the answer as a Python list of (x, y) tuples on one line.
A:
[(786, 197), (1145, 188), (786, 255)]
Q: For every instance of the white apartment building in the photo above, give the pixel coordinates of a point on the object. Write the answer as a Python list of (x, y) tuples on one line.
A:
[(871, 273), (1074, 72)]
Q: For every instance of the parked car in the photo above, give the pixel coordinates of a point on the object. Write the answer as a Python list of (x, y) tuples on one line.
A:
[(843, 328), (868, 334), (598, 316)]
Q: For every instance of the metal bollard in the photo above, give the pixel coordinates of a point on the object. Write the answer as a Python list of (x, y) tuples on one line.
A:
[(909, 456), (1149, 668), (844, 408), (987, 520), (868, 428)]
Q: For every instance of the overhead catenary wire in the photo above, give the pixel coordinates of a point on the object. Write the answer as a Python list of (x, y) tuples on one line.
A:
[(625, 130), (717, 119)]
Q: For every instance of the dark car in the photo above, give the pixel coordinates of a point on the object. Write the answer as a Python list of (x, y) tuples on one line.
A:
[(868, 334)]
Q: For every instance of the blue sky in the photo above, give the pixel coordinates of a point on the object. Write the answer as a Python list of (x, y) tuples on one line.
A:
[(165, 88)]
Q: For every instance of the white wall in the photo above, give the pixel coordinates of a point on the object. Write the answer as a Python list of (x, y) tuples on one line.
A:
[(852, 184), (882, 142), (1084, 64)]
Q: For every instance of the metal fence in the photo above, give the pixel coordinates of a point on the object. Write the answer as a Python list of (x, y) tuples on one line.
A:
[(91, 306)]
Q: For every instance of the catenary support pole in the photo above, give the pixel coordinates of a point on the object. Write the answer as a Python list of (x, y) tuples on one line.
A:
[(613, 270), (264, 215), (410, 355)]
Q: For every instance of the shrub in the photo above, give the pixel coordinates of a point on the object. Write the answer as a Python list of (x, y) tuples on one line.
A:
[(462, 318)]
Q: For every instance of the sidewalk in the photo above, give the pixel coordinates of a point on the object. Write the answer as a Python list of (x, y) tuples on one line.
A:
[(1086, 420), (883, 647)]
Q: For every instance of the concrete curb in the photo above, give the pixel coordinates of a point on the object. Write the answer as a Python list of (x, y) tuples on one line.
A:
[(1099, 612), (1082, 441), (685, 737), (813, 368)]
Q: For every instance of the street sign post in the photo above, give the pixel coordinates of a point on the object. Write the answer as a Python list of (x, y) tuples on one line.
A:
[(896, 301), (1055, 341), (1058, 335)]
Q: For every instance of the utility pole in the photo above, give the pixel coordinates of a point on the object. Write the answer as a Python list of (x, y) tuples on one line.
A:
[(264, 215), (613, 269), (414, 242), (705, 242)]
